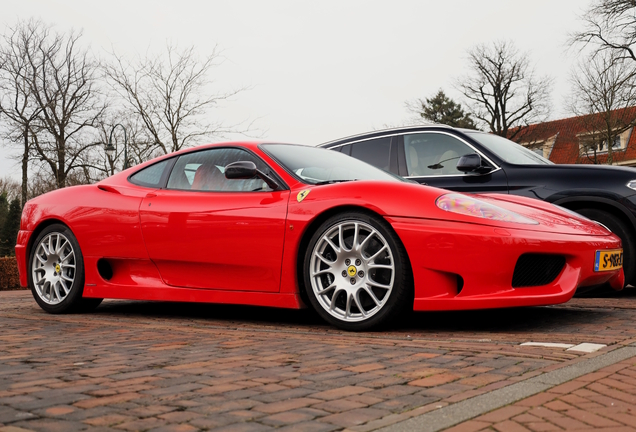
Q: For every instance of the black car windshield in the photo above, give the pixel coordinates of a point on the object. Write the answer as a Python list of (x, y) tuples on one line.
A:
[(314, 165), (507, 150)]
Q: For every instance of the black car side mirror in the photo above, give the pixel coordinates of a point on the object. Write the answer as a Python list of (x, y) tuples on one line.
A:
[(244, 170), (240, 170), (472, 163)]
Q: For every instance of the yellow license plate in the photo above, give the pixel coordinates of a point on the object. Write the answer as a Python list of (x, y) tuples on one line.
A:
[(608, 260)]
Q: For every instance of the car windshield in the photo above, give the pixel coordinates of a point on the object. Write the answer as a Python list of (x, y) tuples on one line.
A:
[(314, 165), (507, 150)]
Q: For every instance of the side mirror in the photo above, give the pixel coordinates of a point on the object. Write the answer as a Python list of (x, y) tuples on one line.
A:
[(240, 170), (472, 163), (245, 170)]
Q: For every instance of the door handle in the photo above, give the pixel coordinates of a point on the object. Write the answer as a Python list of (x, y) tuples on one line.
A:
[(151, 195)]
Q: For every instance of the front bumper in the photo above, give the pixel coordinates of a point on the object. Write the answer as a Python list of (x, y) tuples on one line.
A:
[(470, 266)]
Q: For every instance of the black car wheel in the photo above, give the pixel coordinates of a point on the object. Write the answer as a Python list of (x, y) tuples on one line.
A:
[(618, 227), (56, 272), (356, 272)]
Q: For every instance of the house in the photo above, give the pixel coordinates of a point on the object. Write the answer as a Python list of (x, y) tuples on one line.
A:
[(583, 139)]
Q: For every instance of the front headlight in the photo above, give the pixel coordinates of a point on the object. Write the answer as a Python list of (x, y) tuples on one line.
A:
[(462, 204), (631, 184)]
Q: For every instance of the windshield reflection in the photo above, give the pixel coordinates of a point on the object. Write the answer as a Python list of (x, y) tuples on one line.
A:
[(507, 150), (314, 165)]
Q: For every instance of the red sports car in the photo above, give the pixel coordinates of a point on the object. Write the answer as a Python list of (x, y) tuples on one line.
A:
[(286, 225)]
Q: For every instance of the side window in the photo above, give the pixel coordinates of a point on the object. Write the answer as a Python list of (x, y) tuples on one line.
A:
[(205, 171), (375, 152), (150, 176), (431, 154)]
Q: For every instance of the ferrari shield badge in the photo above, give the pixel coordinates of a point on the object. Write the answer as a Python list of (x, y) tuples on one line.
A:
[(302, 194)]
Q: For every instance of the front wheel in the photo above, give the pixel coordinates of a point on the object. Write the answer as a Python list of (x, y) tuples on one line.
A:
[(356, 272), (56, 272)]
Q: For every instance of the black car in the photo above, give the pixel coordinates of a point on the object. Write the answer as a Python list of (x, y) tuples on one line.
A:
[(473, 161)]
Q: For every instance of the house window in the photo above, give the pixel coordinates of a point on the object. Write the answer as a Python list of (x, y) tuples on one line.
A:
[(616, 145), (597, 143)]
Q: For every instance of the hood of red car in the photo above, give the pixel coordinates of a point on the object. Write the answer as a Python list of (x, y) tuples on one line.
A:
[(419, 201), (551, 218)]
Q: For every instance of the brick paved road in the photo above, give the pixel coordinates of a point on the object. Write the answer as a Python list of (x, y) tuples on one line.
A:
[(164, 366), (603, 400)]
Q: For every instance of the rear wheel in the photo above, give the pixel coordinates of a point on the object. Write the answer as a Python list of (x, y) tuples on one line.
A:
[(356, 272), (56, 272), (618, 227)]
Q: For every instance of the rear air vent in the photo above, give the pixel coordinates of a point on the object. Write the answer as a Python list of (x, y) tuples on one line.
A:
[(537, 269), (107, 188)]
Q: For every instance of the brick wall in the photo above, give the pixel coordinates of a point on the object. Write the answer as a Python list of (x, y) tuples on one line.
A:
[(9, 278)]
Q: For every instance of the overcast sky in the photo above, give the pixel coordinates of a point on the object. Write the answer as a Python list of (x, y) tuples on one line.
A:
[(319, 70)]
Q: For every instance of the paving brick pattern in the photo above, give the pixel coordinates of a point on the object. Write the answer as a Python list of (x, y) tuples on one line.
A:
[(136, 366), (601, 401)]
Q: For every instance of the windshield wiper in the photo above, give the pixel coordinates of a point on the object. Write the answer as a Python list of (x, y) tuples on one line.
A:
[(333, 181)]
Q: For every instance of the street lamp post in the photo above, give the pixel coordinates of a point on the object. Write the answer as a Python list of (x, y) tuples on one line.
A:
[(111, 150)]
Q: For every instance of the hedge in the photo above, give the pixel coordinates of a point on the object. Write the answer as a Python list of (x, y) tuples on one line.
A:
[(9, 277)]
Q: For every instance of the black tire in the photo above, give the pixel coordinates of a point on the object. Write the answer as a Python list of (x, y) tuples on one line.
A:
[(618, 227), (73, 301), (398, 300)]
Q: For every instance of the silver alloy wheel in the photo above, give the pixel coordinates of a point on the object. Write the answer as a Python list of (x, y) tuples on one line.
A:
[(352, 271), (53, 268)]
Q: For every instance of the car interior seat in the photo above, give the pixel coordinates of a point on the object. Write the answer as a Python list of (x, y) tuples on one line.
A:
[(208, 177), (414, 158), (449, 160)]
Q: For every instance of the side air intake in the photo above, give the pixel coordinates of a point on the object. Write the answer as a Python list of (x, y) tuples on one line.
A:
[(104, 269)]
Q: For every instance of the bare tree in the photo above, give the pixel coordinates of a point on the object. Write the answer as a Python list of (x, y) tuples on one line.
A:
[(503, 90), (51, 97), (19, 112), (170, 98), (64, 87), (40, 183), (131, 141), (609, 25), (604, 94)]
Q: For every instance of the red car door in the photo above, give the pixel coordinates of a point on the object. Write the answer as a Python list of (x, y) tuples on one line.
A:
[(205, 231)]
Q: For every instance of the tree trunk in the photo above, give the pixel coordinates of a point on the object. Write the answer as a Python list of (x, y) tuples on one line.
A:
[(61, 159), (25, 167)]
